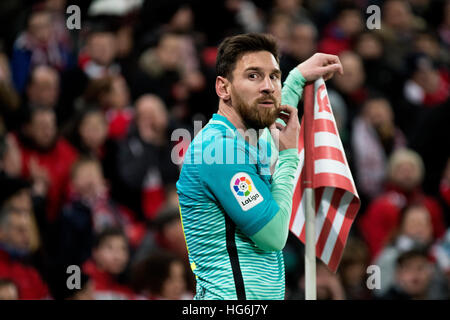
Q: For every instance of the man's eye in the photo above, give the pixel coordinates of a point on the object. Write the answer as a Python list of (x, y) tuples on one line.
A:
[(274, 76), (253, 76)]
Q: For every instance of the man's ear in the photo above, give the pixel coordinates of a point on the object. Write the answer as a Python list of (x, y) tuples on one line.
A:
[(223, 88)]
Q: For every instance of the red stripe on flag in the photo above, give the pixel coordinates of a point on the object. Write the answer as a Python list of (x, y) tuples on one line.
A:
[(318, 197), (343, 234), (335, 200), (328, 153), (324, 125), (303, 234), (297, 198)]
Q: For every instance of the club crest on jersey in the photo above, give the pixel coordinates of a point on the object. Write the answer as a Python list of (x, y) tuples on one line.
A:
[(245, 191)]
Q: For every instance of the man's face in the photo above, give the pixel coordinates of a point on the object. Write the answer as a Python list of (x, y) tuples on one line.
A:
[(151, 118), (112, 255), (256, 89), (44, 89), (175, 284), (354, 75), (414, 276), (102, 47), (43, 128), (9, 292), (417, 224), (88, 180), (17, 231), (406, 175), (303, 43), (40, 26), (93, 130), (169, 51)]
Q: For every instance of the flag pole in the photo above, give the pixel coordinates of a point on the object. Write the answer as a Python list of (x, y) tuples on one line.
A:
[(310, 243)]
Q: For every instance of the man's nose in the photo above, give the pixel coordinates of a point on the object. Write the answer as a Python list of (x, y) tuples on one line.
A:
[(267, 85)]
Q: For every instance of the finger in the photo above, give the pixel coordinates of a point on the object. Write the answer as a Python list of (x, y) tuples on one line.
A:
[(328, 76), (330, 59), (279, 126), (331, 69), (284, 117), (287, 109), (290, 111)]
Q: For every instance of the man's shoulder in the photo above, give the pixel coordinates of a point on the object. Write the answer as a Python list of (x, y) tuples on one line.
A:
[(213, 131), (216, 139)]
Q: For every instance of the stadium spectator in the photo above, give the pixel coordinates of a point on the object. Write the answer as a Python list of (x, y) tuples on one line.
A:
[(352, 270), (161, 276), (338, 35), (441, 253), (166, 234), (444, 28), (89, 133), (43, 88), (9, 99), (107, 266), (381, 75), (85, 292), (279, 27), (351, 85), (96, 58), (329, 285), (161, 71), (374, 138), (89, 211), (404, 176), (15, 241), (302, 45), (111, 95), (415, 231), (43, 151), (397, 30), (294, 9), (35, 46), (144, 164), (413, 275), (8, 290)]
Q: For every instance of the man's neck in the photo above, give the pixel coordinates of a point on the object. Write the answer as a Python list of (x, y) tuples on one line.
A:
[(232, 115)]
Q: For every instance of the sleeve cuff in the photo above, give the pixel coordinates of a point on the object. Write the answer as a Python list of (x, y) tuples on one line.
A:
[(295, 79)]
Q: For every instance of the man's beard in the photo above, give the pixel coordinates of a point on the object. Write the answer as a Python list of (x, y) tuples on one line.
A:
[(256, 117)]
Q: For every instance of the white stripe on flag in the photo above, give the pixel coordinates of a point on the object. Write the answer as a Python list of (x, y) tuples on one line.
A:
[(323, 115), (324, 205), (299, 219), (331, 166), (326, 139), (336, 226)]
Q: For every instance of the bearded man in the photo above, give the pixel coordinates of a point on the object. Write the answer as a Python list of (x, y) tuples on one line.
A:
[(235, 207)]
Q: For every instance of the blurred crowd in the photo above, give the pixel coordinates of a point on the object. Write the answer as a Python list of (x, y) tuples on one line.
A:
[(86, 117)]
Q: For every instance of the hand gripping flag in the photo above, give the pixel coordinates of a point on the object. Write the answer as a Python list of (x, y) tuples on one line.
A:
[(336, 198)]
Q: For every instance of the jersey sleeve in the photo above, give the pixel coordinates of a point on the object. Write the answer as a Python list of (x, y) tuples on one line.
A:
[(240, 190)]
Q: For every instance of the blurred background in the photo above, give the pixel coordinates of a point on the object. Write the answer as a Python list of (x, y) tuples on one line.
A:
[(86, 116)]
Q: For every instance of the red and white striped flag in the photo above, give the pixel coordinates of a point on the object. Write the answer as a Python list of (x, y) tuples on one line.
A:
[(336, 198)]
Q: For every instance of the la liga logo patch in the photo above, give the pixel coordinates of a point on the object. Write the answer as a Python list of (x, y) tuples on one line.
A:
[(245, 191)]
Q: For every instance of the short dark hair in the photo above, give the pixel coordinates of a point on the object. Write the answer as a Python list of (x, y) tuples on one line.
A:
[(106, 233), (152, 271), (415, 252), (232, 48)]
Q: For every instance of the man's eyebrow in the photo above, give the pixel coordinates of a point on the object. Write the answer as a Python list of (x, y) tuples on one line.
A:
[(258, 69)]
